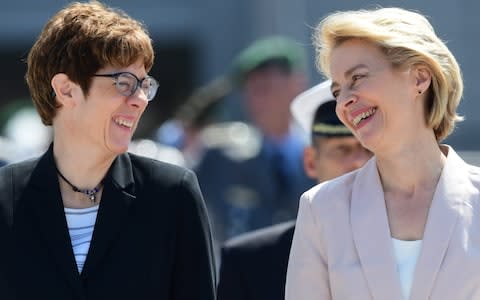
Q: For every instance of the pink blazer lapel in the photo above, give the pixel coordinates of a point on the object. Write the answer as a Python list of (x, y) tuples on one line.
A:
[(371, 231), (453, 189), (371, 234)]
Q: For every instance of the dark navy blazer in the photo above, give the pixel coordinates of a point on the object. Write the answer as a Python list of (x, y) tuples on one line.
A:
[(151, 239)]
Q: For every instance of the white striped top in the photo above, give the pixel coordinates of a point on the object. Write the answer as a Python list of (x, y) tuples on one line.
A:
[(81, 222)]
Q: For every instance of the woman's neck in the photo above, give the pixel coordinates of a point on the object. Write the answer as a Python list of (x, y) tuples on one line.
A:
[(84, 166), (412, 167)]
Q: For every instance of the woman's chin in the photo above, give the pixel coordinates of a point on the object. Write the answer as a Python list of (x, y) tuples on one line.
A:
[(118, 148)]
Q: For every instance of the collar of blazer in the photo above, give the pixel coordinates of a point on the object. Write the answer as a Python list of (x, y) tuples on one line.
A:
[(120, 172), (42, 204), (371, 232)]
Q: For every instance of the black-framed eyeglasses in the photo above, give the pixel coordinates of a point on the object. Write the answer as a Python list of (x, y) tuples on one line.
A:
[(127, 84)]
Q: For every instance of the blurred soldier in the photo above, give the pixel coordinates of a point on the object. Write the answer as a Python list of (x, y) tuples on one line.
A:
[(257, 181), (254, 265), (190, 128)]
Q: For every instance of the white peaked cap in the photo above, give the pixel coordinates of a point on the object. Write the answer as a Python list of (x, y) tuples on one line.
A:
[(304, 106)]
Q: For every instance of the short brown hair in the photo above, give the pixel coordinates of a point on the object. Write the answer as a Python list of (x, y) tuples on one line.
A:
[(406, 38), (78, 41)]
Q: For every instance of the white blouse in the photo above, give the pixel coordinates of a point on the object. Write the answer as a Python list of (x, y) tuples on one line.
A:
[(406, 255)]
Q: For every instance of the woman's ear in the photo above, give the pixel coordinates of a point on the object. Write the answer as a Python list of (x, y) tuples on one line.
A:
[(423, 78), (63, 88)]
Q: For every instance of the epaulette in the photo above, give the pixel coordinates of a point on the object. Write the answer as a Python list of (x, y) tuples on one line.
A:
[(239, 141), (151, 149)]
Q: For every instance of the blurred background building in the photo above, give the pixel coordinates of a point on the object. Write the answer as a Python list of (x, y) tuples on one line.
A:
[(196, 41)]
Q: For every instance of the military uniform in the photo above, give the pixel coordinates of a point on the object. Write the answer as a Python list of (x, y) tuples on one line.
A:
[(238, 179)]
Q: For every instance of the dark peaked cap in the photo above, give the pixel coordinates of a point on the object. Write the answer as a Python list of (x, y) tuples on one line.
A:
[(269, 49), (314, 110)]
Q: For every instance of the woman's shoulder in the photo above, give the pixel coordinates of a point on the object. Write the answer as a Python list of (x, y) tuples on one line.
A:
[(460, 164), (161, 180), (474, 175), (333, 191), (328, 204)]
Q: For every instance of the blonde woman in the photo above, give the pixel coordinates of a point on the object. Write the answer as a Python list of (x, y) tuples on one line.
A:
[(406, 225)]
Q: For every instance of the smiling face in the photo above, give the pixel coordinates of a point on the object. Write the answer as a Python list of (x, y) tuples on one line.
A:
[(379, 103), (104, 118)]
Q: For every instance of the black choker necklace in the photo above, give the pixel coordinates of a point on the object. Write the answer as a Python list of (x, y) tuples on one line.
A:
[(92, 194)]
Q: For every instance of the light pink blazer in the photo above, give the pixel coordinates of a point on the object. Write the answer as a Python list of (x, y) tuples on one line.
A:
[(342, 247)]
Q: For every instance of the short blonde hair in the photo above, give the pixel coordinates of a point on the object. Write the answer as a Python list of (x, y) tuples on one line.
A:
[(406, 38), (78, 41)]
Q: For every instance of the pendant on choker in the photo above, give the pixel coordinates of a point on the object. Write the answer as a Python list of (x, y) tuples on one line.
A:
[(91, 194)]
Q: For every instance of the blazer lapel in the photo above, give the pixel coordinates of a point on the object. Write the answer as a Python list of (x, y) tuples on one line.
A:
[(371, 234), (117, 197), (42, 197), (451, 192)]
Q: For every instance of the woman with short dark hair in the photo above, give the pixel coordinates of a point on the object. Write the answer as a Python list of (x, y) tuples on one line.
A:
[(88, 220)]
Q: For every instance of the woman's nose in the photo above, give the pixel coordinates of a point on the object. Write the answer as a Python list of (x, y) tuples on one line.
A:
[(346, 98), (138, 99)]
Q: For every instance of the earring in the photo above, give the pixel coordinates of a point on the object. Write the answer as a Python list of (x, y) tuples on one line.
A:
[(419, 92)]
